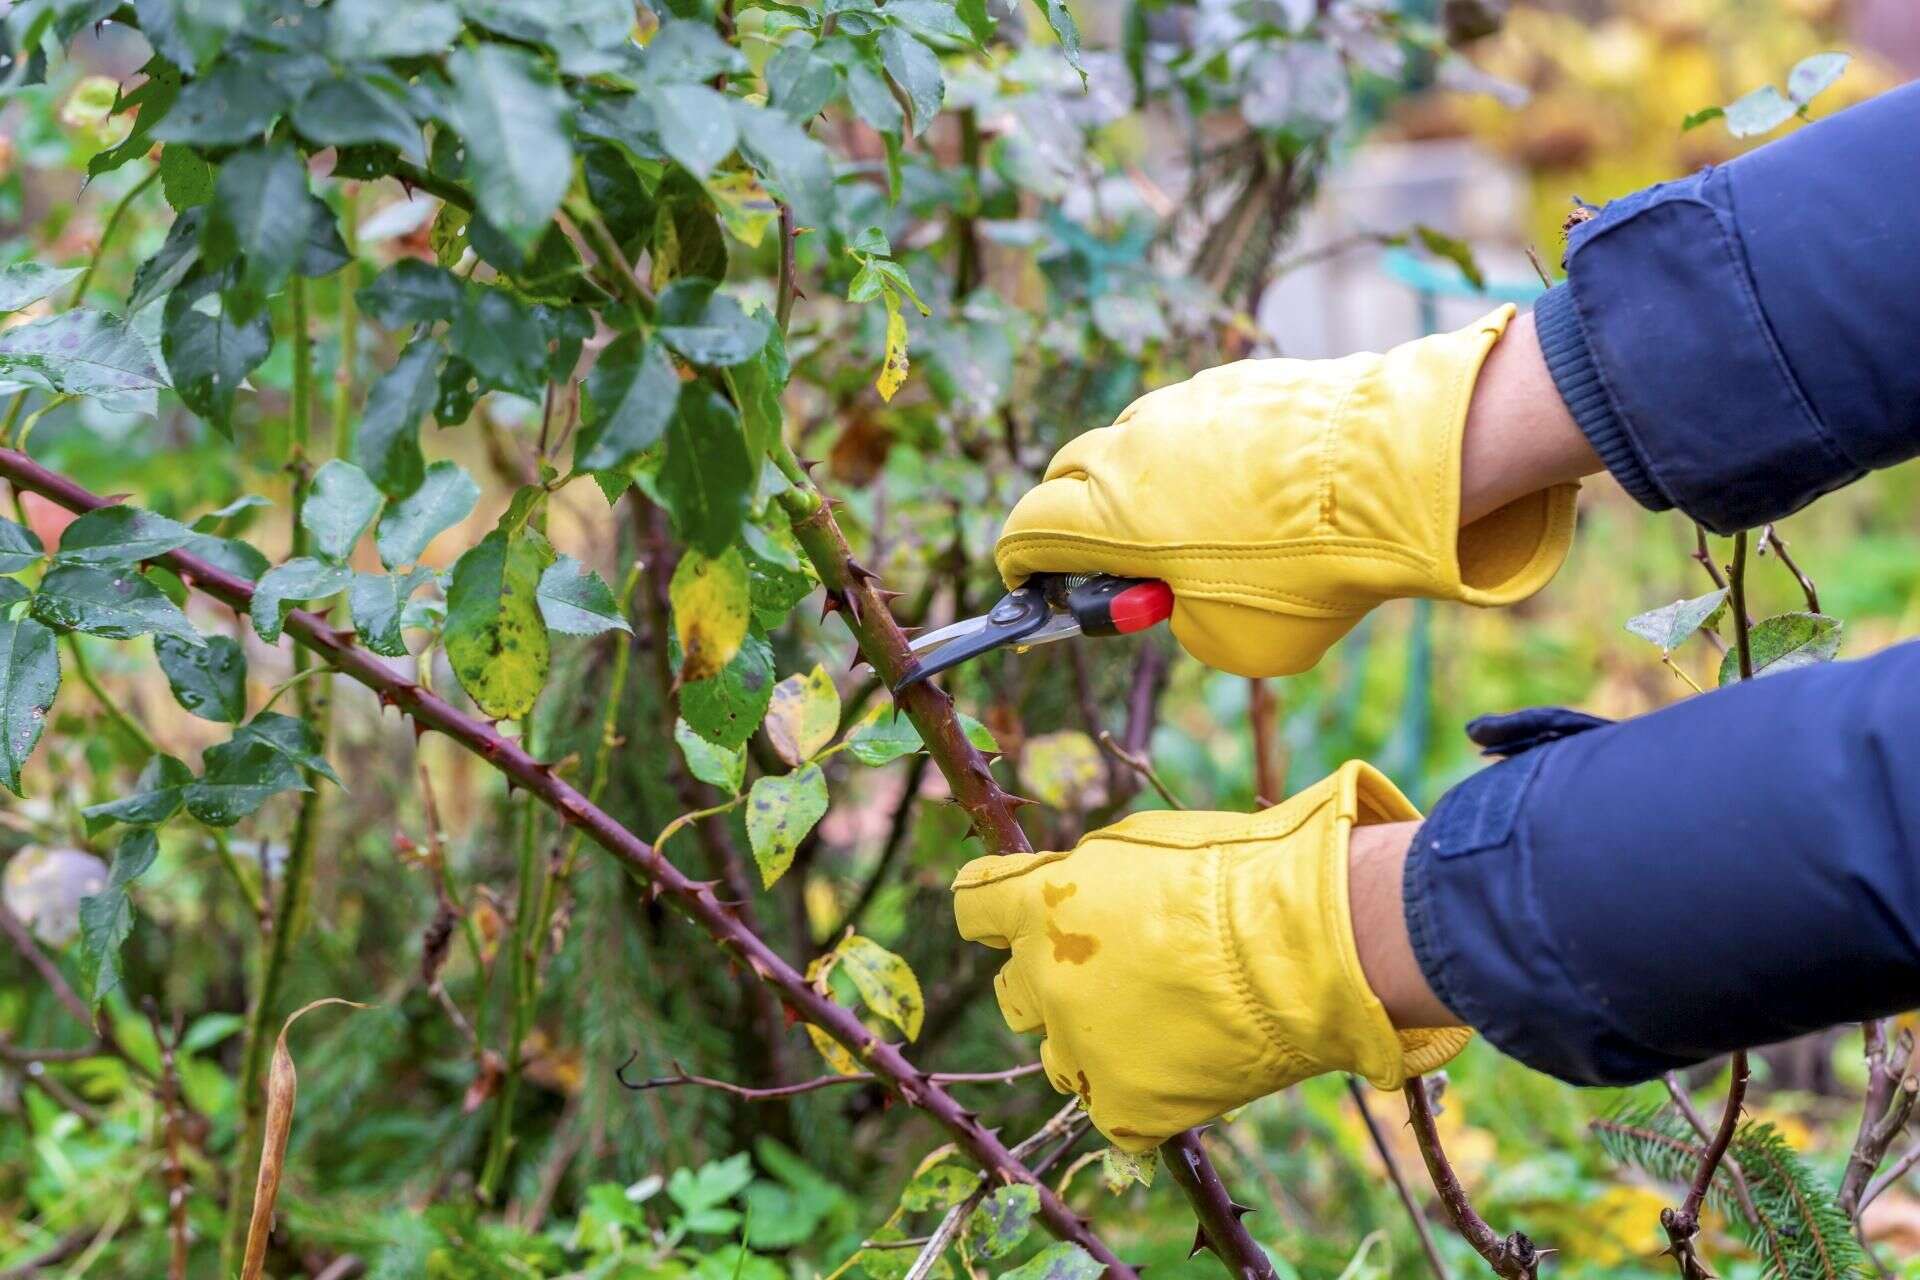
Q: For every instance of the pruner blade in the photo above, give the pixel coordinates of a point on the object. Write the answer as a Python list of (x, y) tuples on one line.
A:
[(1047, 607)]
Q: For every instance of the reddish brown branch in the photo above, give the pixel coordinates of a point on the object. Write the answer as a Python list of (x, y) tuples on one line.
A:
[(776, 1092), (1405, 1192), (1219, 1215), (695, 898), (174, 1166), (1513, 1257), (1889, 1104), (1683, 1224)]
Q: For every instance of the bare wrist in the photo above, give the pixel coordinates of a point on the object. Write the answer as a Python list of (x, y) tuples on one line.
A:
[(1376, 856), (1519, 437)]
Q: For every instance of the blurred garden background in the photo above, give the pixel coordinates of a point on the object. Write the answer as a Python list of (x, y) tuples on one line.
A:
[(1233, 179)]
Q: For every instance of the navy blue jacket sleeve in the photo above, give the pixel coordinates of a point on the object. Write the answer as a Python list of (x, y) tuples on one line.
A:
[(1737, 343), (1615, 900)]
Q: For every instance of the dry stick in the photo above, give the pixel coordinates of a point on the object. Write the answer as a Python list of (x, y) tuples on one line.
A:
[(770, 1094), (1392, 1162), (176, 1169), (1141, 767), (1515, 1257), (1895, 1171), (852, 592), (695, 898)]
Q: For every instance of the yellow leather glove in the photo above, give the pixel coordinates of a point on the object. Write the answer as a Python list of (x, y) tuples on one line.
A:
[(1282, 499), (1182, 964)]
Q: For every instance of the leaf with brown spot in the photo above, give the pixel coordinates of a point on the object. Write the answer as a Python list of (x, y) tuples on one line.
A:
[(1064, 770), (885, 981), (893, 368), (834, 1052), (803, 715), (712, 603), (780, 812), (496, 639), (282, 1083)]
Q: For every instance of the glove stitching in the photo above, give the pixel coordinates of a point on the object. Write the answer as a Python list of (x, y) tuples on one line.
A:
[(1198, 586), (1261, 1016), (1329, 438)]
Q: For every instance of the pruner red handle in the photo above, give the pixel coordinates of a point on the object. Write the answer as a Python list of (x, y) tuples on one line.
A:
[(1109, 606)]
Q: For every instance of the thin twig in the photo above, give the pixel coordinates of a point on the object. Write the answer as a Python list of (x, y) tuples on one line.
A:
[(788, 288), (174, 1167), (1380, 1144), (773, 1093), (1894, 1172), (1683, 1103), (1770, 537), (1141, 766), (696, 899), (1515, 1257), (1682, 1225), (1888, 1106)]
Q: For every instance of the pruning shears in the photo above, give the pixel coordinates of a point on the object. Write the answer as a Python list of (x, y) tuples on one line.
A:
[(1045, 608)]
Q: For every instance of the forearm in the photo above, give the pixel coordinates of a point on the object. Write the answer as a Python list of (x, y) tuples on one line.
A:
[(1758, 884), (1519, 437)]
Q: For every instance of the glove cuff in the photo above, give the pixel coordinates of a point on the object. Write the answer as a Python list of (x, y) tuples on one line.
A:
[(1301, 904)]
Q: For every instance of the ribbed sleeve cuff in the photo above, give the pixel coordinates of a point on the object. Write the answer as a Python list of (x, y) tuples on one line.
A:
[(1563, 342)]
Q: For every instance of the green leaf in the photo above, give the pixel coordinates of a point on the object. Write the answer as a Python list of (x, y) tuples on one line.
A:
[(495, 638), (118, 604), (715, 765), (513, 118), (1066, 31), (1454, 250), (185, 178), (210, 356), (1670, 625), (25, 283), (1002, 1219), (387, 446), (694, 125), (446, 496), (106, 918), (630, 398), (85, 353), (872, 100), (712, 605), (1121, 1169), (1785, 642), (790, 159), (1062, 1261), (576, 601), (757, 384), (708, 327), (800, 82), (260, 213), (120, 535), (179, 254), (156, 797), (298, 581), (780, 812), (379, 603), (411, 292), (209, 680), (1814, 75), (938, 1186), (29, 680), (885, 981), (916, 69), (883, 736), (1697, 118), (726, 709), (803, 715), (260, 761), (354, 109), (1762, 111), (501, 338), (707, 479), (190, 32), (340, 507), (375, 29), (236, 557), (20, 547), (232, 104), (151, 102)]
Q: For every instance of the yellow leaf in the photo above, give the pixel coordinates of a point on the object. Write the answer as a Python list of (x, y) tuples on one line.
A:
[(893, 370), (885, 982), (711, 605), (830, 1049), (1120, 1170), (745, 206), (282, 1083), (1064, 770), (448, 235), (803, 715)]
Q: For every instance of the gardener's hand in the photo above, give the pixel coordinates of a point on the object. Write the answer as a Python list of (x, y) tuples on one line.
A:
[(1181, 964), (1282, 499)]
